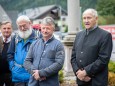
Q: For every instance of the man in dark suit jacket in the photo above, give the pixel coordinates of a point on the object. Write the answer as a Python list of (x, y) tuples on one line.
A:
[(5, 38), (91, 52)]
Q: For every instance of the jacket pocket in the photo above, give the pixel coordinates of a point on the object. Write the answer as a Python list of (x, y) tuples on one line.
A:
[(19, 73)]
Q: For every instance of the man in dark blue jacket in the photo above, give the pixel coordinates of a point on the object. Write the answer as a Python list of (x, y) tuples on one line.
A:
[(91, 52), (5, 39), (18, 49)]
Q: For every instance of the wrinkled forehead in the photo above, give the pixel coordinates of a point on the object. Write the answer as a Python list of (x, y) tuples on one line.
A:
[(87, 13), (90, 12), (46, 26), (22, 21), (6, 25)]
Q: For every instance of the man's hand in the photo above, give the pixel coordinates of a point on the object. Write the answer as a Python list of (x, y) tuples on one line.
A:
[(37, 76), (87, 79), (81, 74)]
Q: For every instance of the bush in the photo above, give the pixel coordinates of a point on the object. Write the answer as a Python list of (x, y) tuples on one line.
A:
[(61, 76), (106, 20), (111, 66), (102, 21), (111, 78)]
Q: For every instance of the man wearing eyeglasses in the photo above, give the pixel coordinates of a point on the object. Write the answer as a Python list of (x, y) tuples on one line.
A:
[(18, 49)]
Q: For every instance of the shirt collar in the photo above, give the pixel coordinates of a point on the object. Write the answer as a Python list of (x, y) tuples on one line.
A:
[(8, 39), (89, 30), (50, 39)]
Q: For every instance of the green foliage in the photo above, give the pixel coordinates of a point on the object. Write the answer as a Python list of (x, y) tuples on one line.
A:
[(24, 4), (88, 4), (61, 76), (111, 79), (106, 20), (102, 21), (106, 7), (111, 66)]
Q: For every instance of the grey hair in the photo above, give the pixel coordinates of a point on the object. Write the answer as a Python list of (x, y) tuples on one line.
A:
[(5, 22), (48, 21), (92, 11), (23, 17)]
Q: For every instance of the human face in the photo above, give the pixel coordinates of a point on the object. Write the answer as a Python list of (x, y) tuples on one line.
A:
[(24, 25), (6, 30), (89, 20), (25, 29), (47, 31), (25, 34)]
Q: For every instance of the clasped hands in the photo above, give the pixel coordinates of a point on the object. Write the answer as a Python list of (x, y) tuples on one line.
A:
[(82, 75), (37, 76)]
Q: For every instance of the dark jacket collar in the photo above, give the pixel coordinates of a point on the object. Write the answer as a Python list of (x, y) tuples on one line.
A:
[(49, 40), (90, 30)]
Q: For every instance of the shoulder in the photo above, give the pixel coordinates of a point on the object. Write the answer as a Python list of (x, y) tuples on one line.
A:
[(80, 32), (1, 39), (35, 43), (103, 32), (57, 43)]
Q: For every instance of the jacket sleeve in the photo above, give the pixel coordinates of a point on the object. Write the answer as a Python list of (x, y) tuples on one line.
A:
[(28, 62), (73, 57), (57, 65), (10, 53), (104, 56)]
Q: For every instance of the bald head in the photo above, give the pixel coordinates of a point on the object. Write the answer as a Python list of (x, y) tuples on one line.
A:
[(91, 11)]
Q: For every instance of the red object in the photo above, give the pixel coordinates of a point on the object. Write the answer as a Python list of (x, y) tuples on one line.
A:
[(110, 29), (37, 27)]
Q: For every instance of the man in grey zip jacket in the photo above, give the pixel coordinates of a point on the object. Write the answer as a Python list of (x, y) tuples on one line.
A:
[(45, 57)]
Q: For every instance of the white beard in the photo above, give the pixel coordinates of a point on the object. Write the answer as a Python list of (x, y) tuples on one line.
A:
[(25, 34)]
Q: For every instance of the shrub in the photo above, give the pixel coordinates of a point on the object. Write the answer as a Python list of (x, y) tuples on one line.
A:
[(111, 66), (111, 78), (61, 76), (106, 20)]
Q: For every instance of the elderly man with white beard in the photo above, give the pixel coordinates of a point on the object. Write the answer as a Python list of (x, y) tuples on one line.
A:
[(18, 49)]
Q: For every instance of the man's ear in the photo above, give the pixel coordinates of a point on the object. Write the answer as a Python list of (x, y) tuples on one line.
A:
[(30, 23)]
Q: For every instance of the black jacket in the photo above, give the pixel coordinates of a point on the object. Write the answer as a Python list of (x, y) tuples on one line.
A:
[(4, 67), (92, 52)]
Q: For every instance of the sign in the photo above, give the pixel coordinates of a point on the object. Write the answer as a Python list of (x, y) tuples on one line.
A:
[(111, 29)]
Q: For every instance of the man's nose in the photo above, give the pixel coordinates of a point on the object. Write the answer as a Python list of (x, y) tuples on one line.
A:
[(22, 28), (45, 29), (6, 29)]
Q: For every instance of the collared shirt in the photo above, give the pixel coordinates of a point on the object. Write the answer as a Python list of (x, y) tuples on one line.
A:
[(48, 39), (88, 30), (8, 39)]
